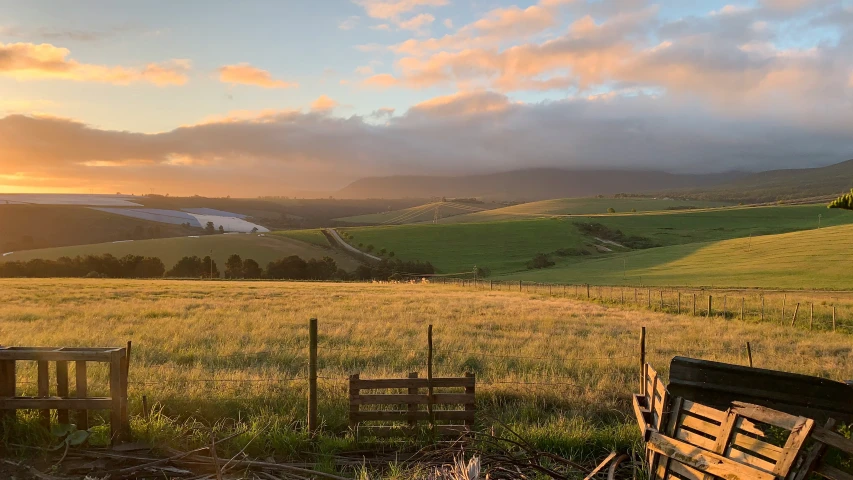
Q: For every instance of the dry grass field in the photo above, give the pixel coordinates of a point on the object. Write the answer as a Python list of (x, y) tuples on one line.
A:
[(233, 355)]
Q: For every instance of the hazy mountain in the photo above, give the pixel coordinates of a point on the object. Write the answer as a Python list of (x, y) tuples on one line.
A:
[(529, 184), (776, 185)]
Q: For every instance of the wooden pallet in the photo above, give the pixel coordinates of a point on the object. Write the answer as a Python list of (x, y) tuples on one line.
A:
[(62, 402), (406, 410)]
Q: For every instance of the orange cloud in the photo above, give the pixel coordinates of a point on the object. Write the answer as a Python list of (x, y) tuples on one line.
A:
[(392, 9), (245, 74), (27, 61), (382, 80), (324, 103), (417, 23)]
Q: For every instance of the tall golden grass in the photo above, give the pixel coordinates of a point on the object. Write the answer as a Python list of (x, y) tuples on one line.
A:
[(234, 354)]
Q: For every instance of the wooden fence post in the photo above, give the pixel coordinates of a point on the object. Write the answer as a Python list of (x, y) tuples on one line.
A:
[(725, 307), (694, 304), (472, 390), (7, 386), (749, 353), (430, 398), (661, 300), (115, 393), (782, 322), (519, 285), (643, 360), (833, 318), (353, 406), (811, 315), (312, 376), (796, 310), (587, 291), (742, 301), (636, 301), (710, 308), (649, 299), (679, 302), (762, 307)]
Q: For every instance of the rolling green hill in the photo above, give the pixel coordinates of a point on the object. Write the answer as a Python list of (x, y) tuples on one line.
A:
[(418, 214), (817, 258), (580, 206), (507, 246), (263, 249)]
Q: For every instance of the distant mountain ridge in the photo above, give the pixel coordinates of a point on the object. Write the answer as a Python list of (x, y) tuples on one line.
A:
[(530, 184), (774, 185)]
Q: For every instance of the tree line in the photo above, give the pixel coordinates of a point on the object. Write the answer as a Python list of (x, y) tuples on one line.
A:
[(135, 266)]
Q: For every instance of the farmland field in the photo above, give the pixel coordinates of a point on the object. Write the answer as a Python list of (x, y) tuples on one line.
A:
[(418, 214), (506, 246), (262, 249), (556, 370), (808, 259), (581, 206)]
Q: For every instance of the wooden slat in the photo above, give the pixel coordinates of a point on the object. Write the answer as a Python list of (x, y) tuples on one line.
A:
[(412, 408), (387, 431), (699, 425), (705, 461), (81, 386), (833, 439), (353, 408), (685, 471), (48, 403), (404, 415), (418, 399), (724, 433), (748, 459), (815, 454), (754, 445), (695, 439), (766, 415), (55, 355), (115, 396), (703, 411), (62, 389), (43, 381), (674, 416), (832, 473), (799, 434), (472, 392), (660, 389), (437, 382)]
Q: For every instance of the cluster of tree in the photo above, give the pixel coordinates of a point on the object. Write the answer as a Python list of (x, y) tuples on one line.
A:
[(602, 231), (541, 260), (844, 202), (194, 267), (108, 266), (295, 268), (393, 269)]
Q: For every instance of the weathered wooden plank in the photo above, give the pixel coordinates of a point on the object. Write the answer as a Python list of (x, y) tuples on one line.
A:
[(703, 411), (699, 425), (386, 383), (404, 415), (752, 460), (353, 408), (704, 461), (116, 425), (7, 385), (718, 384), (62, 389), (472, 392), (766, 415), (43, 381), (81, 386), (48, 403), (751, 444), (832, 439), (55, 355), (695, 439), (417, 399), (799, 434), (685, 471), (674, 416), (832, 473)]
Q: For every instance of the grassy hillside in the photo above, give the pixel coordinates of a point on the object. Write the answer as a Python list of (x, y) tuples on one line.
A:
[(313, 236), (40, 226), (420, 213), (580, 206), (507, 246), (779, 185), (806, 259), (262, 249)]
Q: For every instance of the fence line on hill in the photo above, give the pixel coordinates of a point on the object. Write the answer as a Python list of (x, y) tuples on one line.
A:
[(700, 302)]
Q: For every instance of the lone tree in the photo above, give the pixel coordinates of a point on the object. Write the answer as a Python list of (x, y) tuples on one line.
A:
[(221, 229), (611, 210), (845, 201), (234, 267), (209, 228)]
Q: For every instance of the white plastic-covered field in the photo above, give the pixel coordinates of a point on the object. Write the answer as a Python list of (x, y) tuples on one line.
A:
[(213, 211), (230, 224), (176, 217), (68, 199)]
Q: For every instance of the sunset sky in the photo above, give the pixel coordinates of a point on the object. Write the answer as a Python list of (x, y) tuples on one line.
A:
[(270, 97)]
